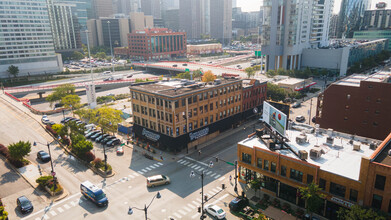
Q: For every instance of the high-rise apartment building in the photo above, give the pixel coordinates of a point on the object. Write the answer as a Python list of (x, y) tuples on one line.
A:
[(171, 19), (23, 41), (151, 7), (289, 27), (102, 8), (377, 20), (190, 17), (333, 26), (351, 17), (221, 20), (169, 4), (65, 26), (99, 32)]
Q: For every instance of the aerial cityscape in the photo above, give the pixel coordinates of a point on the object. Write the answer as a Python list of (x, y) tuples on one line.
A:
[(195, 109)]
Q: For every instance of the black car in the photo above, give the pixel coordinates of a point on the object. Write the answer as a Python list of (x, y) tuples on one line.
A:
[(101, 138), (65, 120), (92, 133), (107, 139), (237, 204), (113, 142), (24, 204), (300, 118), (43, 156), (94, 136)]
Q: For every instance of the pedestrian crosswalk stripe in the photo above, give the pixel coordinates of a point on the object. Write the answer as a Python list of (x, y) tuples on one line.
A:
[(217, 176), (219, 188), (211, 193), (144, 170), (140, 172), (187, 209), (195, 203), (208, 172), (201, 169), (67, 206), (213, 175), (160, 164), (53, 213), (191, 164), (222, 178), (185, 163), (181, 160), (216, 190), (149, 169), (136, 174), (182, 212), (197, 167), (194, 166), (153, 166), (195, 215), (157, 165), (60, 209), (37, 218), (191, 206), (198, 199), (177, 215), (130, 175), (73, 203), (46, 217)]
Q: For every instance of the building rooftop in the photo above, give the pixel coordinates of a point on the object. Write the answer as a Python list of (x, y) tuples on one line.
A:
[(340, 43), (355, 79), (179, 87), (338, 158), (383, 153), (290, 81)]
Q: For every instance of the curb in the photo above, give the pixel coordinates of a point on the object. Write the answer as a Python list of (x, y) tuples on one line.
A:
[(17, 171)]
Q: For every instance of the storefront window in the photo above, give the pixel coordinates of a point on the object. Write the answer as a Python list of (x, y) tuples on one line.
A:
[(269, 184), (337, 189), (353, 195), (288, 193), (376, 201), (246, 158), (283, 170)]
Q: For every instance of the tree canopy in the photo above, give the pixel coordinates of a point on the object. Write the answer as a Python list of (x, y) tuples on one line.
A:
[(60, 92), (20, 149), (105, 117), (76, 55), (71, 100), (13, 70), (208, 76), (250, 71), (313, 197), (359, 213), (275, 93)]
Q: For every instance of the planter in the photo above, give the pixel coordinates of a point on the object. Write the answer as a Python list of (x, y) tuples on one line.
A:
[(59, 192)]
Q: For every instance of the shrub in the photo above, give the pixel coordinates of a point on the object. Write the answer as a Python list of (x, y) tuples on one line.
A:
[(97, 162), (276, 203), (43, 180), (16, 163), (299, 212), (89, 156), (65, 140), (4, 151), (50, 129)]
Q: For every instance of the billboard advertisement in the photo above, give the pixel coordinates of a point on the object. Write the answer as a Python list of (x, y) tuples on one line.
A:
[(275, 118), (91, 95)]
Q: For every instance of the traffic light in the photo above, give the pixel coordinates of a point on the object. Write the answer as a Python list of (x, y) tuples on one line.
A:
[(223, 186), (206, 198), (217, 159), (199, 209)]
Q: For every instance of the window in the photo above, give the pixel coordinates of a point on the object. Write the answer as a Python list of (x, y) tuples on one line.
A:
[(283, 170), (310, 178), (273, 167), (266, 165), (337, 189), (296, 175), (211, 119), (353, 195), (211, 106), (380, 182), (246, 158), (376, 201), (322, 183), (259, 162)]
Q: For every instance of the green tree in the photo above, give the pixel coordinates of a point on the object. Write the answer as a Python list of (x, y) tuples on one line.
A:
[(358, 213), (250, 72), (101, 55), (256, 184), (60, 92), (20, 149), (313, 197), (13, 70), (107, 118), (71, 100), (76, 55), (82, 147), (271, 73), (185, 75), (275, 93)]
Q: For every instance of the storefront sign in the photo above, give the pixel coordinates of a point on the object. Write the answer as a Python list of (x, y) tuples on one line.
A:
[(198, 134), (342, 202), (150, 135)]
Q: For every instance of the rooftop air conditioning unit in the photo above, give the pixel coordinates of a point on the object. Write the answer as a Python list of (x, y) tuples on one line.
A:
[(303, 154), (330, 140), (372, 146), (301, 139), (356, 146), (330, 132), (315, 153)]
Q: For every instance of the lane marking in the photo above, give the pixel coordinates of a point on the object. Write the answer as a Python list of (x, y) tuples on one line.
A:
[(60, 209), (222, 178), (66, 206), (140, 172), (53, 213), (177, 215), (213, 175), (191, 206), (217, 176), (219, 199), (187, 209), (209, 172), (182, 212)]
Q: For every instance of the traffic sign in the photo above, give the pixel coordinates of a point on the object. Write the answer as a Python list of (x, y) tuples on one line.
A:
[(258, 53), (53, 173), (187, 70), (229, 163)]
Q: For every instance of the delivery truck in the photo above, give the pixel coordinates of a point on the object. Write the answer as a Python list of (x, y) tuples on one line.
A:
[(93, 193)]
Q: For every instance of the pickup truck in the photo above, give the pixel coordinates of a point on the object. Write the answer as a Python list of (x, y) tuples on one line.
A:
[(93, 193)]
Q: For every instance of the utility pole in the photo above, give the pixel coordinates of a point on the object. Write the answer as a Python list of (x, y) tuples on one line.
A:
[(309, 119), (89, 57)]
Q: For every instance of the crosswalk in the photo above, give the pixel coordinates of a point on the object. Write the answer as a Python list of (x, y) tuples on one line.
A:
[(149, 168), (200, 167)]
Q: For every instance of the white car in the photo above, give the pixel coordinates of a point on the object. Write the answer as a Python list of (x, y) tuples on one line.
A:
[(45, 119), (215, 211)]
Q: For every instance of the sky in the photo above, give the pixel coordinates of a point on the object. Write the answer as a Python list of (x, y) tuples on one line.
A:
[(253, 5)]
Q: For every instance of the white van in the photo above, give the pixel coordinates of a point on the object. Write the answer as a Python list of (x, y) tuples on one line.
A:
[(157, 180)]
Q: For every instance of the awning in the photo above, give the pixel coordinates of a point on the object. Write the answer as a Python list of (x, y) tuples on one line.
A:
[(306, 86)]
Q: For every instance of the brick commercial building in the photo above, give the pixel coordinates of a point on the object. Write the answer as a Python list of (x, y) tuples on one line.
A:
[(157, 43), (358, 104), (339, 164), (178, 114)]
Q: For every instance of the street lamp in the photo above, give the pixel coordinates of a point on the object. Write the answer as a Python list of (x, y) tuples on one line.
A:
[(51, 161), (202, 174), (145, 209), (89, 57), (111, 48), (104, 148)]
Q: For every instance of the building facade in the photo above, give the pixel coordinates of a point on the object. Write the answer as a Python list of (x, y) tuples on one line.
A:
[(156, 43), (102, 8), (151, 7), (204, 49), (190, 18), (289, 27), (221, 20), (373, 35), (25, 43), (171, 19), (358, 105), (65, 27), (176, 115), (376, 20), (351, 17), (99, 32)]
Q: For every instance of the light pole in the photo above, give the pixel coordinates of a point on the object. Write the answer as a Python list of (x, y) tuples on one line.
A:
[(111, 48), (89, 56), (202, 174), (51, 162), (236, 176), (145, 209)]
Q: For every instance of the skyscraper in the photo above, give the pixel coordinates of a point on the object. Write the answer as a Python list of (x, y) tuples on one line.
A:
[(102, 8), (351, 17), (151, 7), (26, 39), (289, 27), (190, 18), (221, 20)]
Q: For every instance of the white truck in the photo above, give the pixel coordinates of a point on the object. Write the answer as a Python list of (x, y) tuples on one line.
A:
[(114, 77)]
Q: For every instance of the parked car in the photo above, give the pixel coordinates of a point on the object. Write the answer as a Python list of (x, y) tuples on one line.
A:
[(113, 142), (88, 131), (300, 118), (93, 137), (296, 105), (237, 204), (120, 150), (101, 137), (45, 119), (107, 139), (129, 76), (92, 133), (65, 120), (157, 180), (215, 211), (24, 204), (43, 156)]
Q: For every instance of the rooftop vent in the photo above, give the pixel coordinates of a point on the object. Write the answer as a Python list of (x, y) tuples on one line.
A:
[(372, 145), (303, 154), (301, 139), (330, 132), (315, 152), (356, 146), (330, 140)]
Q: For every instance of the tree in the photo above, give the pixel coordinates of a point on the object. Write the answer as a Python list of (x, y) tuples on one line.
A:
[(71, 100), (101, 55), (60, 92), (208, 76), (82, 147), (271, 73), (13, 70), (185, 75), (250, 71), (107, 118), (76, 55), (358, 213), (275, 93), (256, 184), (20, 149), (313, 197)]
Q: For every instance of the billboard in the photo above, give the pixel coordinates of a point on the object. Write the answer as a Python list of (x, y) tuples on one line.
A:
[(91, 95), (285, 108), (275, 118)]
